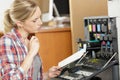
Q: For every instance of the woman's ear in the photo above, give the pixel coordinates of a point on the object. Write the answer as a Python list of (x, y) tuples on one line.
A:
[(19, 24)]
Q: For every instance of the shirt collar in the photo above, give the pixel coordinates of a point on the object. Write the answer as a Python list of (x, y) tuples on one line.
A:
[(16, 32), (18, 37)]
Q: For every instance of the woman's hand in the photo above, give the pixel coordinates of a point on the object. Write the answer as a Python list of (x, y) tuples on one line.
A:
[(54, 71), (34, 45)]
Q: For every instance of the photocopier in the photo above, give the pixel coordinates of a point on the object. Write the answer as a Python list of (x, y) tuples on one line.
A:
[(97, 53)]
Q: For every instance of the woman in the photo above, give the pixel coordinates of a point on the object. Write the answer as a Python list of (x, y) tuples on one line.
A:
[(18, 54)]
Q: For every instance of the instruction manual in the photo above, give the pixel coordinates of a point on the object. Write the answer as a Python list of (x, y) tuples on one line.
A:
[(73, 57)]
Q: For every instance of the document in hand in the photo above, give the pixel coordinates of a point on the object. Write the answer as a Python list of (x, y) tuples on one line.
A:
[(73, 57)]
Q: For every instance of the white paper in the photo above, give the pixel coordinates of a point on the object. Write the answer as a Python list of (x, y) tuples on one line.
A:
[(72, 58), (85, 73)]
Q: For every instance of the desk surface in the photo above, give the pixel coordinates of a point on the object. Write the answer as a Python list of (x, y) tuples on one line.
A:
[(54, 29)]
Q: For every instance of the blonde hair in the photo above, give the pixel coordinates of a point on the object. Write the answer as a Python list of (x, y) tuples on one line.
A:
[(19, 10)]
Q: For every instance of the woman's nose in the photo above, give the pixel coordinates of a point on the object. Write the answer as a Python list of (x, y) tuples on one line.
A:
[(40, 22)]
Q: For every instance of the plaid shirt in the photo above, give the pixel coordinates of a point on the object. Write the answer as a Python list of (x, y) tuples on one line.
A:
[(12, 54)]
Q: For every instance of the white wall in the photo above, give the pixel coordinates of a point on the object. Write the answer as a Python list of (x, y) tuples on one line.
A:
[(4, 4), (114, 8)]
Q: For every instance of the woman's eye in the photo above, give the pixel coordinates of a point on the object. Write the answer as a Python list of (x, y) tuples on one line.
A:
[(34, 20)]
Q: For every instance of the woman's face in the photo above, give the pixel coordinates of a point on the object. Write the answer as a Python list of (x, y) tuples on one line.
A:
[(33, 24)]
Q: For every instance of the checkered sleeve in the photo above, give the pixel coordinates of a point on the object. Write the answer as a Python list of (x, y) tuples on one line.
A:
[(9, 69)]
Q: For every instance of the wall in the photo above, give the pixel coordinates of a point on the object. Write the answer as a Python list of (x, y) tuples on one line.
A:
[(4, 4), (114, 8)]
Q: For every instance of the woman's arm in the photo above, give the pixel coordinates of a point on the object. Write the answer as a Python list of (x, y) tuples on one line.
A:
[(33, 47)]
